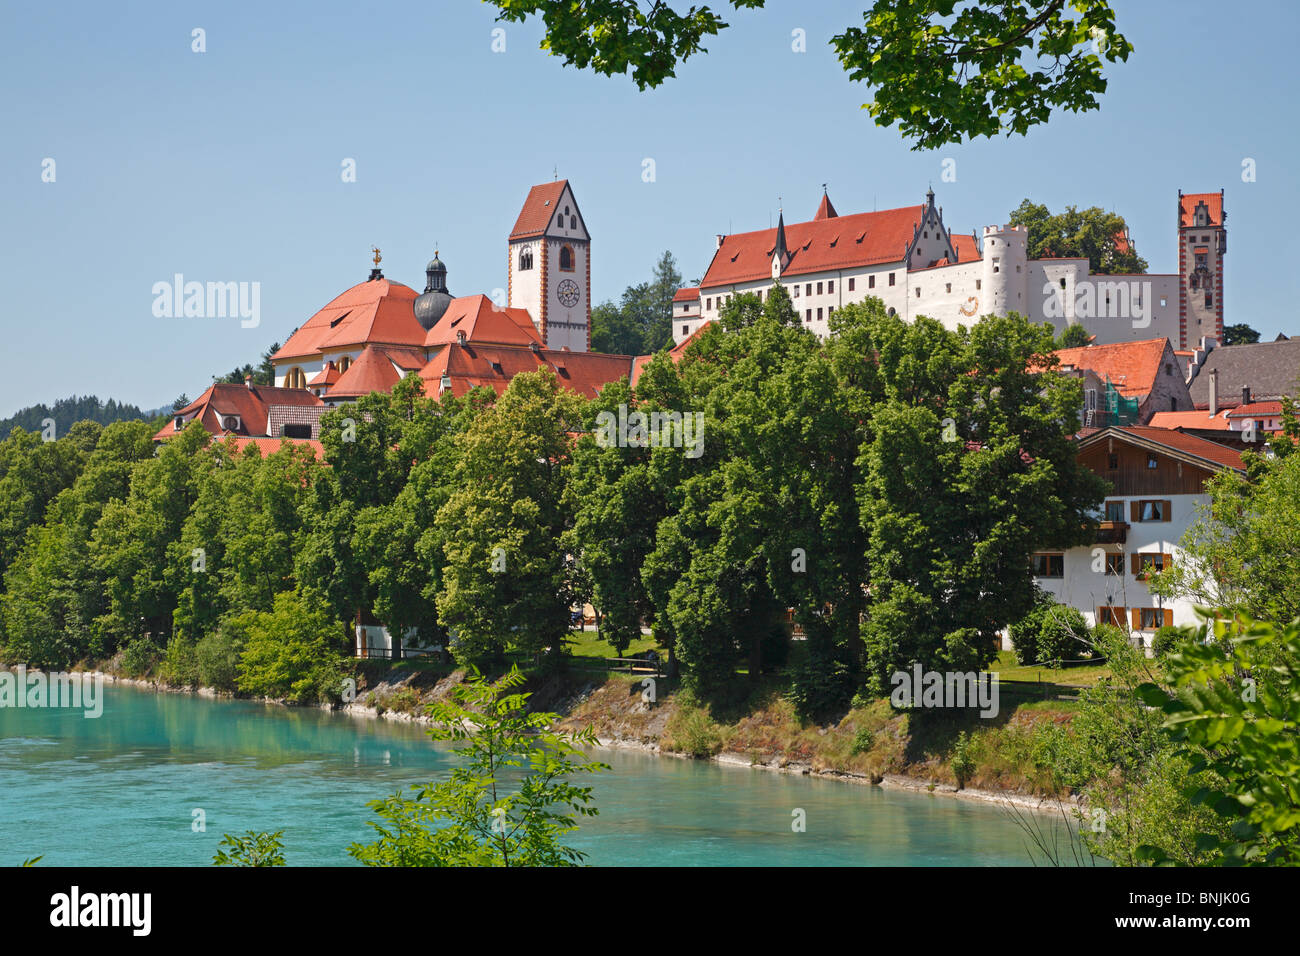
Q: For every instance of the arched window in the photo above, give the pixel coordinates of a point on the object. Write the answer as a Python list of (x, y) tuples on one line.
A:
[(295, 378), (345, 363), (525, 259), (566, 258)]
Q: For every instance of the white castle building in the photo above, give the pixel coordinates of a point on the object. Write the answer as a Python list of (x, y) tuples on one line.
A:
[(910, 260)]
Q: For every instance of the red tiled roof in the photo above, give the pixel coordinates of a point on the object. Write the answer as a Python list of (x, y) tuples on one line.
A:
[(375, 312), (373, 371), (1187, 208), (817, 246), (1201, 448), (484, 322), (825, 210), (1256, 410), (691, 294), (250, 404), (326, 376), (1198, 420), (538, 208), (966, 246), (470, 365), (1131, 366)]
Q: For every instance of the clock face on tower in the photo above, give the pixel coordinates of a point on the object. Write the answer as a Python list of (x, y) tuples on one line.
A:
[(568, 293)]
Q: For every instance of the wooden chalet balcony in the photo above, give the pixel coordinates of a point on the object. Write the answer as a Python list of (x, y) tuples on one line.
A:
[(1112, 532)]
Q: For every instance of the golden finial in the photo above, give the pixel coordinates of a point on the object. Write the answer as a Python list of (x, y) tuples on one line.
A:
[(377, 255)]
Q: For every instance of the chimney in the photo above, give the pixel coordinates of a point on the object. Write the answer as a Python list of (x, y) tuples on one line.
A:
[(719, 237), (1245, 394), (1214, 392), (460, 336), (248, 381)]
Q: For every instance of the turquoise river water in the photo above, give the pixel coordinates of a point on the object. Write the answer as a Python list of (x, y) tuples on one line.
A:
[(122, 790)]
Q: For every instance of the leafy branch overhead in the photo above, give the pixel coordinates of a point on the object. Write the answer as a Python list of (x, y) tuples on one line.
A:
[(944, 70)]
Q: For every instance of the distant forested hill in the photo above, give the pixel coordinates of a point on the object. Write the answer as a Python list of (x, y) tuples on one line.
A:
[(67, 411)]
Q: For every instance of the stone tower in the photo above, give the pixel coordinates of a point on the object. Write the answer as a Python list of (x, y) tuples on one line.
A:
[(1202, 243)]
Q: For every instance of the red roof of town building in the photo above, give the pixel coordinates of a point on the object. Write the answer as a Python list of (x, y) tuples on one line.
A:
[(1187, 208), (1187, 446), (1256, 410), (1132, 367), (538, 208), (1199, 420), (825, 210), (469, 365), (373, 371), (483, 321), (326, 376), (690, 294), (250, 403), (378, 312), (817, 246)]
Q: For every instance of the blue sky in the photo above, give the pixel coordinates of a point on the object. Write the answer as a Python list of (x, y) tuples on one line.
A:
[(225, 165)]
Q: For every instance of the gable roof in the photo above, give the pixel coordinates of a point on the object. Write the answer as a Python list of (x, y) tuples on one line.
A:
[(251, 403), (1131, 366), (687, 294), (1187, 208), (1271, 369), (483, 321), (817, 246), (468, 366), (377, 311), (1200, 452), (373, 371), (538, 208)]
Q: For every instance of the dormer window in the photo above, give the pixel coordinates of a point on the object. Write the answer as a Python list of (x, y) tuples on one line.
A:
[(178, 423)]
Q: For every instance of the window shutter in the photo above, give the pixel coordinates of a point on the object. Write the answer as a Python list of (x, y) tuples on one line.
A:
[(1137, 567), (1135, 511), (1137, 618), (1169, 617), (1167, 560), (1165, 508)]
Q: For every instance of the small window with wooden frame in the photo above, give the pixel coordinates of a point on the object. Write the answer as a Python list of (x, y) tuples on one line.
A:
[(1115, 563), (1047, 565), (1146, 564), (1114, 616), (1151, 618), (1149, 510)]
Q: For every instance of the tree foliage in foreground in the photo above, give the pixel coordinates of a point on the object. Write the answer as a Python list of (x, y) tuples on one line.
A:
[(511, 800), (1235, 715), (944, 70), (251, 849)]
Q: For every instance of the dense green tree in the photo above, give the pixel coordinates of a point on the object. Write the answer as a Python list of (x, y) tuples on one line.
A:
[(1239, 334), (291, 651), (32, 472), (642, 322), (969, 468), (1073, 336), (136, 547), (944, 70), (507, 582), (1093, 234), (52, 591)]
